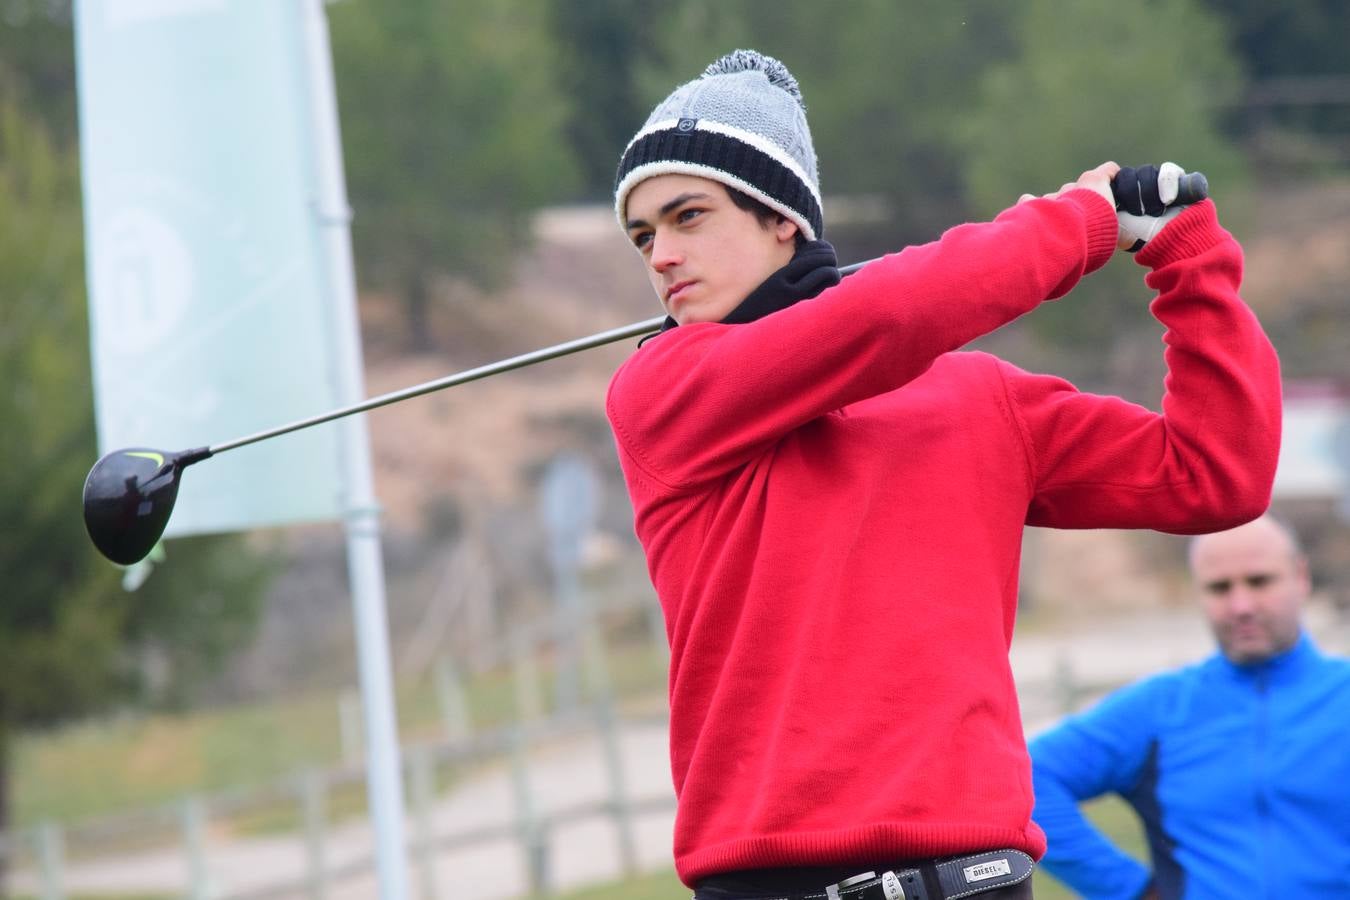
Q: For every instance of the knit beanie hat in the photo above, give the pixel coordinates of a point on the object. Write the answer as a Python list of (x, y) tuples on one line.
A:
[(741, 123)]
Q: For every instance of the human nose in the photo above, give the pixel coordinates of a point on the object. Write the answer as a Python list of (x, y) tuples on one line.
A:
[(1241, 599), (666, 251)]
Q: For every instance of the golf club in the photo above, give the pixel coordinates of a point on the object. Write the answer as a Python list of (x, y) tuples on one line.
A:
[(129, 493)]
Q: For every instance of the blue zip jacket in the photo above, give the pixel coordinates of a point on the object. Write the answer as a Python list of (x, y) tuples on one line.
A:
[(1240, 774)]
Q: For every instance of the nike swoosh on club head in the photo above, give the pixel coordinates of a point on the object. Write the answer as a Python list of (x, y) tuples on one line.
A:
[(156, 458)]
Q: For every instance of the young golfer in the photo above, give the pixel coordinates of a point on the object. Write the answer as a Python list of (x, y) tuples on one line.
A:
[(831, 498)]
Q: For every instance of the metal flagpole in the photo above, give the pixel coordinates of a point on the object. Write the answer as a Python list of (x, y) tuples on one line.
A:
[(365, 562)]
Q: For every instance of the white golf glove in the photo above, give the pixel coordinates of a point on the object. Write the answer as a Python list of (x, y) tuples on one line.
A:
[(1145, 228), (1144, 195)]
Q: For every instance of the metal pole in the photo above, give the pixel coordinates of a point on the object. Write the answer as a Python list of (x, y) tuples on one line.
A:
[(314, 809), (602, 687), (1066, 684), (424, 802), (450, 697), (52, 857), (529, 827), (529, 703), (567, 617), (350, 726), (365, 563), (193, 813)]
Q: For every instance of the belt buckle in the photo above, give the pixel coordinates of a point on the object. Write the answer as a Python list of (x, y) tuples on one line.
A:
[(832, 890), (889, 882)]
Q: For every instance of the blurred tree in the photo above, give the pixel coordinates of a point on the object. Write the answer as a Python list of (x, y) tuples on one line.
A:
[(1296, 37), (37, 62), (72, 641), (1298, 110), (1064, 104), (601, 44), (452, 121)]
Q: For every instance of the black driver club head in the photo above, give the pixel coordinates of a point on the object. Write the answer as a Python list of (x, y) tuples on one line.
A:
[(128, 498)]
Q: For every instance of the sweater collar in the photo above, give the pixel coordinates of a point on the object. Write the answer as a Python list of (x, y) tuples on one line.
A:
[(813, 268)]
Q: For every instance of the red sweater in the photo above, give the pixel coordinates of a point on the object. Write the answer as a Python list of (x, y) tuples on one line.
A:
[(832, 502)]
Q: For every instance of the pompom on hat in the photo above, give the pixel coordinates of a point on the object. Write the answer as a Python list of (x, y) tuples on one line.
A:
[(742, 123)]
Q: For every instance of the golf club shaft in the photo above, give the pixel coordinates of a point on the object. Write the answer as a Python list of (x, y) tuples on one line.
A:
[(1194, 189), (567, 348), (1194, 185)]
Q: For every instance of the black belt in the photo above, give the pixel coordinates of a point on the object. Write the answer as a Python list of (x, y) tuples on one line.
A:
[(946, 879)]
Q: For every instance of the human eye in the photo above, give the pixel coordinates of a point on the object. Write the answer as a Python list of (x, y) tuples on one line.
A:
[(1259, 580), (1219, 588), (688, 214), (641, 239)]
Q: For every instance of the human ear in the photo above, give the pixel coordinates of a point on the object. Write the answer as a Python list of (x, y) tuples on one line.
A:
[(785, 230), (1303, 576)]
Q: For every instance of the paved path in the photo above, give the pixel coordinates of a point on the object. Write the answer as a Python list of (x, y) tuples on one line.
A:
[(564, 775), (571, 772)]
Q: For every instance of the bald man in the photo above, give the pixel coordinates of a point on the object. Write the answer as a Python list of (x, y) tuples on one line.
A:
[(1252, 582), (1238, 766)]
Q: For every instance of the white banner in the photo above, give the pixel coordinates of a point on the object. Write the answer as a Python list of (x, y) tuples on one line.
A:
[(210, 312)]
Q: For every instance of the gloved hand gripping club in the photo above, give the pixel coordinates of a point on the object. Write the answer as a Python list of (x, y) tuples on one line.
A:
[(1148, 197)]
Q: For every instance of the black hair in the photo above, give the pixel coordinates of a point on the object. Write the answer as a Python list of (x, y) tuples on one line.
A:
[(767, 217)]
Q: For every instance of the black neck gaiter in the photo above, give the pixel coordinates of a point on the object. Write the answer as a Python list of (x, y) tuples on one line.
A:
[(812, 269)]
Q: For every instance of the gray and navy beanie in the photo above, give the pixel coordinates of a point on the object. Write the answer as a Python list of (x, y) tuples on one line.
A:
[(742, 123)]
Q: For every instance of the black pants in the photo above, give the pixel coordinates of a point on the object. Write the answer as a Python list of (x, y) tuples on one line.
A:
[(795, 883), (1015, 892)]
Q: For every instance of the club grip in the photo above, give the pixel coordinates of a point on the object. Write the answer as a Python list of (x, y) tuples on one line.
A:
[(1192, 187), (1148, 190)]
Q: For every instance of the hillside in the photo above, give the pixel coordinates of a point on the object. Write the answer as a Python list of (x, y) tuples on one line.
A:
[(481, 438)]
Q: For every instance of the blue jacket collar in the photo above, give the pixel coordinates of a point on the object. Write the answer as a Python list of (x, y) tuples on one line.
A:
[(1289, 664)]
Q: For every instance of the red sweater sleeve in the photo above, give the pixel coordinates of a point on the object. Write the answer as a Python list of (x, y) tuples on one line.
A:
[(1207, 461), (702, 399)]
